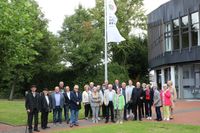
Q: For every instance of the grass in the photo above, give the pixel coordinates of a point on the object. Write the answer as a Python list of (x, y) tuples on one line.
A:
[(137, 127), (14, 113)]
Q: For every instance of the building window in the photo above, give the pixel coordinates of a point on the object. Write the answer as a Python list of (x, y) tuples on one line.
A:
[(185, 33), (176, 34), (195, 29), (168, 41)]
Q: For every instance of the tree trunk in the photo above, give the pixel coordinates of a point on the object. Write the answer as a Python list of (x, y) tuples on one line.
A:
[(12, 91)]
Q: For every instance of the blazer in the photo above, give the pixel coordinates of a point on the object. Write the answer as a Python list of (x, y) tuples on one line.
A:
[(32, 102), (137, 96), (166, 98), (95, 101), (86, 97), (45, 107), (157, 98), (106, 96), (67, 99), (121, 102), (115, 87), (53, 100), (129, 90), (74, 99)]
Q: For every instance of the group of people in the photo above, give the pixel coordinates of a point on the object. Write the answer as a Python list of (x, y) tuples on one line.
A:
[(116, 101)]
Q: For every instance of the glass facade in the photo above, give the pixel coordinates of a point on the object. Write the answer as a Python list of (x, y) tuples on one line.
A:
[(185, 32), (195, 29), (184, 25), (191, 81), (176, 41), (168, 38)]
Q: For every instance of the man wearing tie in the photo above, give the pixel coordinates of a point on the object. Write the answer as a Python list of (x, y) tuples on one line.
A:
[(32, 105), (45, 108)]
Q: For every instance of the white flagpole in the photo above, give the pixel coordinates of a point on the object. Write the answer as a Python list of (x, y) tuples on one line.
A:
[(105, 36)]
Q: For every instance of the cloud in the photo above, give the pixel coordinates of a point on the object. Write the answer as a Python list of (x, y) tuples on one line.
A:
[(55, 10)]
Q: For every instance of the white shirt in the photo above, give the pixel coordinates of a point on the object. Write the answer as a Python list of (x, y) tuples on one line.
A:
[(34, 94), (47, 99), (68, 94), (129, 90), (111, 96)]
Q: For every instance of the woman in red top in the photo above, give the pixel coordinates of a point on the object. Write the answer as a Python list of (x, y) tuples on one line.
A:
[(148, 98), (166, 98)]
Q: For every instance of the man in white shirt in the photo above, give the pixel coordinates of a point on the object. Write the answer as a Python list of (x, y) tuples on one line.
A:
[(129, 90), (108, 101), (66, 95)]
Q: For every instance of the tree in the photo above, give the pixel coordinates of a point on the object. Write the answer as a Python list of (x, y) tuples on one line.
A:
[(82, 37), (81, 40), (132, 53), (23, 30)]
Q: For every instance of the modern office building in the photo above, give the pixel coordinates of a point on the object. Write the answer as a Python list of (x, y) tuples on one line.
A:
[(174, 46)]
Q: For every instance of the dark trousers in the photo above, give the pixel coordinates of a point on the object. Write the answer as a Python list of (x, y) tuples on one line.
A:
[(143, 109), (57, 114), (103, 110), (32, 114), (158, 113), (88, 110), (148, 110), (137, 109), (44, 119), (66, 113), (125, 111), (110, 109)]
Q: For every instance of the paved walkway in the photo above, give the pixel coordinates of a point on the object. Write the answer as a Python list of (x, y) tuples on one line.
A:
[(186, 112)]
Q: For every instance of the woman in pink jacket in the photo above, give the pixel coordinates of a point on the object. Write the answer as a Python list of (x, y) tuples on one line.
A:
[(166, 98)]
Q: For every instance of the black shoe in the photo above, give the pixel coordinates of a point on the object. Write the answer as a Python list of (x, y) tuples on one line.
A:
[(159, 120), (47, 127), (67, 122), (140, 119), (71, 125), (36, 130), (113, 121), (126, 119), (30, 131), (76, 124), (106, 121), (43, 127)]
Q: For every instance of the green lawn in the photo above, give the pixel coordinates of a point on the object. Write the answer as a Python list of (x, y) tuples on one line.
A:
[(14, 113), (137, 127)]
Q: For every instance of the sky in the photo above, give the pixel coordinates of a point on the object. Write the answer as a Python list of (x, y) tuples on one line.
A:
[(56, 10)]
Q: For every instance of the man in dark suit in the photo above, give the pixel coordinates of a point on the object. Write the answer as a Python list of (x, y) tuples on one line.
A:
[(137, 97), (116, 85), (75, 106), (45, 108), (67, 103), (32, 105), (57, 100)]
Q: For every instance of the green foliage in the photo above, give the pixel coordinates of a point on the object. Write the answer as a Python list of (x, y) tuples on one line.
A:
[(30, 54), (26, 46), (83, 45), (14, 113), (82, 37)]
